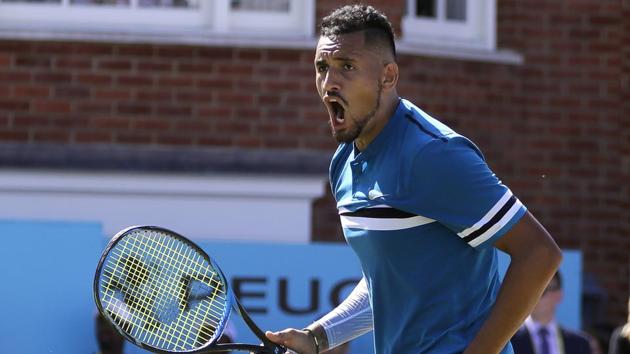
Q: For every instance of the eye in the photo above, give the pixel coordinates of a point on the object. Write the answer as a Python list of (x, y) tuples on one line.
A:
[(320, 68), (348, 67)]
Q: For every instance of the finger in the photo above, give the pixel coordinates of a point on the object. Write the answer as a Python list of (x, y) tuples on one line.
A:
[(282, 337), (273, 336)]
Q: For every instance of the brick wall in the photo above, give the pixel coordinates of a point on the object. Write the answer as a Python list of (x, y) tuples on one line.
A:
[(555, 129)]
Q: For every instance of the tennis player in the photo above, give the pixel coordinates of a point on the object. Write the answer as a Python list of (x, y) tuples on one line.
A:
[(421, 209)]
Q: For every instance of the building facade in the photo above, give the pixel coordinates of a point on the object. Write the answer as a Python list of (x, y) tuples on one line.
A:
[(210, 107)]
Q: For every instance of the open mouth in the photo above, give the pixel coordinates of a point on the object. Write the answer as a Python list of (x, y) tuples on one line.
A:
[(337, 111)]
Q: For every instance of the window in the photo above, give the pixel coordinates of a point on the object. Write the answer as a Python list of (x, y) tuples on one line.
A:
[(269, 17), (467, 24)]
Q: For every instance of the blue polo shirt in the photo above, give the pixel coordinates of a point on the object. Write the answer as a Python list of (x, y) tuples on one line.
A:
[(421, 209)]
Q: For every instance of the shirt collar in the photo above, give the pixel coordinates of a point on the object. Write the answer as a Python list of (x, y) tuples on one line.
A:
[(534, 326)]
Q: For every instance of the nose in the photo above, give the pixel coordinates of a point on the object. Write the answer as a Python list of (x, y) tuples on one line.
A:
[(331, 81)]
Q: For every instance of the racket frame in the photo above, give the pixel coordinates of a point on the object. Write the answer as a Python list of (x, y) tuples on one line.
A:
[(232, 303)]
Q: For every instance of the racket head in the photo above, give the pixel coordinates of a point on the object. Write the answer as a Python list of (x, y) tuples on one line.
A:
[(161, 291)]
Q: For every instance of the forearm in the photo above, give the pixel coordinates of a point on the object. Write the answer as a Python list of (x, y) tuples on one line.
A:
[(352, 318), (526, 278)]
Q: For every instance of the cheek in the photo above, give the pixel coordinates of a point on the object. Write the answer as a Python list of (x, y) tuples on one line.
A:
[(367, 94), (318, 84)]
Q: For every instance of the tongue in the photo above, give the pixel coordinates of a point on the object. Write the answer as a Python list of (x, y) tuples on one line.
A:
[(339, 112)]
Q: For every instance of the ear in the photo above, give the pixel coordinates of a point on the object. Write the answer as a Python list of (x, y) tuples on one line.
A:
[(559, 295), (390, 76)]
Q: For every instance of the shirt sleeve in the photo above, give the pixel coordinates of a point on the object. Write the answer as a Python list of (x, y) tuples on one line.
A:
[(453, 185), (352, 318)]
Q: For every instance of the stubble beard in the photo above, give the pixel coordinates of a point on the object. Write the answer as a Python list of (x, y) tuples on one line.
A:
[(353, 132)]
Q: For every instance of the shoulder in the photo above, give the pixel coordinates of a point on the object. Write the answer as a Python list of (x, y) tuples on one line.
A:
[(431, 140), (454, 156), (575, 338)]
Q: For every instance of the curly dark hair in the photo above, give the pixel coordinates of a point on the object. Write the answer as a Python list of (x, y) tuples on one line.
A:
[(355, 18)]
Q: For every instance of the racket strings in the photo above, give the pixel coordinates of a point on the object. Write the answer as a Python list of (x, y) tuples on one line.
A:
[(179, 339), (156, 272)]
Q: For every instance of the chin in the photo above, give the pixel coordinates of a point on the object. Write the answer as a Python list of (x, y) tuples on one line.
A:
[(345, 136)]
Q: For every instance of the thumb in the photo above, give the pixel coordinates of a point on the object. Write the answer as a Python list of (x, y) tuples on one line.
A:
[(273, 336)]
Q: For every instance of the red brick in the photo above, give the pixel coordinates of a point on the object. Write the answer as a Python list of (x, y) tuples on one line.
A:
[(169, 82), (192, 126), (234, 69), (114, 64), (110, 122), (135, 50), (173, 139), (158, 66), (31, 91), (13, 135), (176, 52), (86, 108), (51, 107), (215, 140), (134, 80), (6, 60), (195, 68), (112, 94), (154, 95), (13, 105), (150, 124), (279, 55), (94, 79), (51, 135), (54, 48), (235, 98), (215, 53), (133, 108), (173, 110), (197, 96), (92, 137), (30, 120), (94, 49), (249, 54), (16, 46), (73, 63), (53, 77), (215, 83), (134, 138), (72, 92)]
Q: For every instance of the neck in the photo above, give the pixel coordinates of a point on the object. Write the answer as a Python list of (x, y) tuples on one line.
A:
[(543, 319), (378, 122)]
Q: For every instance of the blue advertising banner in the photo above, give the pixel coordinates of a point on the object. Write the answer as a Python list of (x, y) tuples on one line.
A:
[(47, 271)]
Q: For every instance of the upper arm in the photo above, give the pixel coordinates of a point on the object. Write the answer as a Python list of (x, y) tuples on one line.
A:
[(526, 236), (453, 185)]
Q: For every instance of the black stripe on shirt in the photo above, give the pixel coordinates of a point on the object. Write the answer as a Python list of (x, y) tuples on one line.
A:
[(379, 213), (425, 130), (495, 219)]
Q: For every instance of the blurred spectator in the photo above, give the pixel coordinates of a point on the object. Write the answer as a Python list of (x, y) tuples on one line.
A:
[(541, 334), (108, 340), (620, 339)]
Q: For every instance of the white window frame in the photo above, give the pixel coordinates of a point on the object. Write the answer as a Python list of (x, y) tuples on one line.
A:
[(212, 17), (477, 32)]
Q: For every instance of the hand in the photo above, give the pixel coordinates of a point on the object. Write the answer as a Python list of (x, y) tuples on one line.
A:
[(293, 339)]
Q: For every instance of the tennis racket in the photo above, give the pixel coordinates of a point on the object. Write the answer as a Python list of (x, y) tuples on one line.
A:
[(166, 295)]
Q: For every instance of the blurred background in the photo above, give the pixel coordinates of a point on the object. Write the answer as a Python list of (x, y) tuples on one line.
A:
[(202, 116)]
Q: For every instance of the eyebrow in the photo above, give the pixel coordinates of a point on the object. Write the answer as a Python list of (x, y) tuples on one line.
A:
[(323, 61)]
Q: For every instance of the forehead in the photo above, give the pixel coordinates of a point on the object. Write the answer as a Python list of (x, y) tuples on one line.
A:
[(351, 44)]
